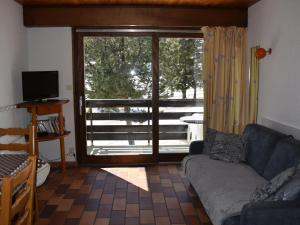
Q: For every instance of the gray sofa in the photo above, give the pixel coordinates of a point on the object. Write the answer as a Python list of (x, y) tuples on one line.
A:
[(225, 188)]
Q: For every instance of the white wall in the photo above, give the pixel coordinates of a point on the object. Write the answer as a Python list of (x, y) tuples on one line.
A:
[(276, 24), (51, 49), (13, 60)]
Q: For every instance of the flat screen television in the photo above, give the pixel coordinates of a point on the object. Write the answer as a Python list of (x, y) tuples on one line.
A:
[(40, 85)]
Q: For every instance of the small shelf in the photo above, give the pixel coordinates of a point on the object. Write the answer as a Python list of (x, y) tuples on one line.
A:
[(50, 137), (45, 108)]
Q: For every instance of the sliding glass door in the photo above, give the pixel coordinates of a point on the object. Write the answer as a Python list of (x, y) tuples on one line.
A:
[(180, 93), (135, 96), (118, 94)]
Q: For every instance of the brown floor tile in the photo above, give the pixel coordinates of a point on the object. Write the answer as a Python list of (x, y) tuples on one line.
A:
[(166, 183), (109, 188), (160, 209), (87, 218), (187, 209), (146, 217), (65, 205), (132, 221), (91, 205), (48, 211), (172, 203), (117, 217), (178, 187), (145, 203), (101, 176), (102, 221), (132, 188), (120, 196), (85, 189), (119, 204), (107, 199), (144, 193), (162, 221), (81, 199), (72, 221), (154, 179), (96, 193), (121, 184), (169, 192), (132, 198), (158, 198), (76, 184), (76, 211), (132, 210), (45, 194), (192, 220), (58, 218), (176, 216), (104, 211), (121, 193), (55, 199), (183, 197)]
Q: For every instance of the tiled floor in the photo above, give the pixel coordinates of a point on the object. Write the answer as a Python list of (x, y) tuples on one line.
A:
[(127, 196)]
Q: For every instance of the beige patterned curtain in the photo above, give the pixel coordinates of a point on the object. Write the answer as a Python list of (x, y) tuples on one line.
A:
[(253, 86), (224, 74)]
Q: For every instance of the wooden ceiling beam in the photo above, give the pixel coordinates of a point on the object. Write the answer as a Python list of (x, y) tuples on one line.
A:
[(108, 16), (213, 3)]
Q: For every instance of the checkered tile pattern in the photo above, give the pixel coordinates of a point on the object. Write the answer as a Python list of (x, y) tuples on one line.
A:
[(152, 195)]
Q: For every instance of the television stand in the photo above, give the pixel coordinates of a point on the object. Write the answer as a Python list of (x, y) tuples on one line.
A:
[(44, 108), (47, 100)]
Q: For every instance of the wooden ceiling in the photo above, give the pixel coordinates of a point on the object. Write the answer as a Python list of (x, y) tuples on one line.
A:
[(204, 3)]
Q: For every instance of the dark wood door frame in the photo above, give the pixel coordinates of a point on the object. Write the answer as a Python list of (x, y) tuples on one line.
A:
[(79, 93)]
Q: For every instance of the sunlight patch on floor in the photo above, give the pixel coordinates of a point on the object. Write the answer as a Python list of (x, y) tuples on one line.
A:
[(134, 175)]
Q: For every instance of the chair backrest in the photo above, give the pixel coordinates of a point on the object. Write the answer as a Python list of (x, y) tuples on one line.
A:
[(29, 134), (17, 196)]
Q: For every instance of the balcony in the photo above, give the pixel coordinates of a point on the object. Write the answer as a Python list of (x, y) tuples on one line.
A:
[(124, 126)]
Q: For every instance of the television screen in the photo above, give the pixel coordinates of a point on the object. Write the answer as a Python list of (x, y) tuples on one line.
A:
[(39, 85)]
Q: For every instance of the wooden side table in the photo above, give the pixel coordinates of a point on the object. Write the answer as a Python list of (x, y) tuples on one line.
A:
[(45, 108)]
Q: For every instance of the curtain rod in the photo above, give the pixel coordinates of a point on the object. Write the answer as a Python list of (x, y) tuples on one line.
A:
[(128, 30)]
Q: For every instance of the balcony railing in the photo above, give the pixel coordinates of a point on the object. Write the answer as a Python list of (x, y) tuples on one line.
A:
[(138, 122)]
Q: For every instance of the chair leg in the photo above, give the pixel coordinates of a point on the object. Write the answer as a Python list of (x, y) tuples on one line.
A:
[(36, 208)]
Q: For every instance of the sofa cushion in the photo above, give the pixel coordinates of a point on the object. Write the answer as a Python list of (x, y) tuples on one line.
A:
[(209, 140), (266, 191), (291, 190), (224, 188), (228, 148), (261, 142), (286, 154)]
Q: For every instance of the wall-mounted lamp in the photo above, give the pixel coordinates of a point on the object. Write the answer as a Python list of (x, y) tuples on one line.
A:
[(261, 52)]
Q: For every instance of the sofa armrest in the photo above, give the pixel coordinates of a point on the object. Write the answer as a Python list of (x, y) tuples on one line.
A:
[(275, 213), (196, 147)]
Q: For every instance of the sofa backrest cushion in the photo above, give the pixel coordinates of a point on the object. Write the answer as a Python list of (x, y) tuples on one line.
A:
[(286, 154), (260, 144)]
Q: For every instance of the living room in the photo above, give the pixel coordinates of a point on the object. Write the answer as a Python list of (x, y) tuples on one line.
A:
[(47, 35)]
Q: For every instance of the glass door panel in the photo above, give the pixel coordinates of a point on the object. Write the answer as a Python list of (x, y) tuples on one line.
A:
[(180, 93), (118, 95)]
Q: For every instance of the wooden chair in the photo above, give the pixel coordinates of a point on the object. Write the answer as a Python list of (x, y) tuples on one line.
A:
[(28, 132), (10, 183), (17, 206)]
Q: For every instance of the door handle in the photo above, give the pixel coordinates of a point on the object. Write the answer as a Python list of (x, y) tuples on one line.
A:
[(80, 105)]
